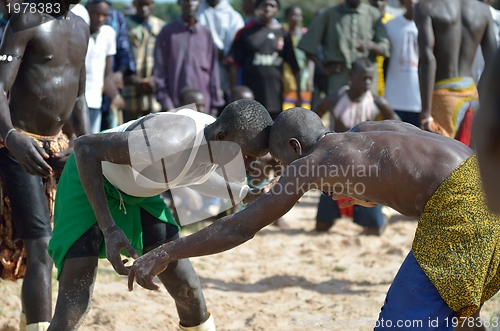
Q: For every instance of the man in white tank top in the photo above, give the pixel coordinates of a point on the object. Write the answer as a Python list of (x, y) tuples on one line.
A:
[(110, 190)]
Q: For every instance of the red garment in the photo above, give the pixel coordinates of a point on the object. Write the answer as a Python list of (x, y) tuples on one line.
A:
[(348, 211), (464, 133)]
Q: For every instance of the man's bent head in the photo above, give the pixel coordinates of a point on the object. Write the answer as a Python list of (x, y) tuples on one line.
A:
[(247, 123), (294, 133)]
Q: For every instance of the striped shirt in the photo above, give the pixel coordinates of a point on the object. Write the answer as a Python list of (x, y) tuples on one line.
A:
[(142, 39)]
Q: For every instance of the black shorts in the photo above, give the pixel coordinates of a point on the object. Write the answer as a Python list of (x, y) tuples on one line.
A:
[(30, 211), (154, 232)]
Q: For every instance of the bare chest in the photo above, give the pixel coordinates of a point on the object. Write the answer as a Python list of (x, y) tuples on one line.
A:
[(58, 43)]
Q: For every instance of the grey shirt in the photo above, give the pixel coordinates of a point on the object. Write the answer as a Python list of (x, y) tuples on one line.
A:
[(338, 30)]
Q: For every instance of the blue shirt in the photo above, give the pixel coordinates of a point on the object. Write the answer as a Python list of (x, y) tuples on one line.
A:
[(122, 59)]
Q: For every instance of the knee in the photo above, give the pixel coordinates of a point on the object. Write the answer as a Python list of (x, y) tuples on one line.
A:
[(37, 252), (186, 286), (189, 288), (187, 293)]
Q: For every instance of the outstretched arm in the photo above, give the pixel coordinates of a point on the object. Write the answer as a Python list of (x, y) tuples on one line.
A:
[(90, 151), (222, 235), (216, 186)]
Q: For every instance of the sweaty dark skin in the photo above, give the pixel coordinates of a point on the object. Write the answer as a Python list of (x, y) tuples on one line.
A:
[(449, 33), (383, 145), (46, 91), (404, 155), (47, 86)]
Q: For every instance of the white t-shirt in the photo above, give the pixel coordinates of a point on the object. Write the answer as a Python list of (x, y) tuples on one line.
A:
[(80, 10), (128, 180), (101, 45), (401, 89)]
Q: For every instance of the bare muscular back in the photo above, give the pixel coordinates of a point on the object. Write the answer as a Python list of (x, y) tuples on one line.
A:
[(48, 80), (459, 27), (399, 168)]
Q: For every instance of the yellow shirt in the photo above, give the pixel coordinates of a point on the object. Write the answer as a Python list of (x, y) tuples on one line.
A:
[(380, 61)]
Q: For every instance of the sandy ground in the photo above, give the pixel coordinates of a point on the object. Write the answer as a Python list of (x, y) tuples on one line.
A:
[(280, 280)]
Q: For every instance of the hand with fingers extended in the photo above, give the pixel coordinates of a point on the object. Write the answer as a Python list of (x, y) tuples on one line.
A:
[(272, 183), (58, 160), (257, 192), (30, 156), (351, 201), (147, 267), (116, 240)]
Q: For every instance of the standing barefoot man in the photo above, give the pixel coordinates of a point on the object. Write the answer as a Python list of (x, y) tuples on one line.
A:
[(42, 64), (449, 33)]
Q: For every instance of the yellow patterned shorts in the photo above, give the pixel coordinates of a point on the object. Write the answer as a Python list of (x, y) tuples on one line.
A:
[(457, 242)]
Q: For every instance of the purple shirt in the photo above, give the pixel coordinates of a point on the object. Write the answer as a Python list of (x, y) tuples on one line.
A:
[(186, 57)]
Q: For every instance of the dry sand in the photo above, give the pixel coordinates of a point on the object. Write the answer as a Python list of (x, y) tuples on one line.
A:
[(280, 280)]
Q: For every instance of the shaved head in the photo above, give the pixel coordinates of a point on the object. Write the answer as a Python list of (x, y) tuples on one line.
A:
[(247, 121), (299, 123)]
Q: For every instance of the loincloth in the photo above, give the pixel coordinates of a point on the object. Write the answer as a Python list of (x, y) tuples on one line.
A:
[(451, 100), (12, 251), (74, 214), (457, 242)]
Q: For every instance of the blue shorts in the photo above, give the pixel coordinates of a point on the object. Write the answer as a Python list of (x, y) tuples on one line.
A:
[(413, 302)]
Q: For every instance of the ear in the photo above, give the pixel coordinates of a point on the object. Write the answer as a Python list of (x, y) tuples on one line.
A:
[(295, 146), (221, 136)]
